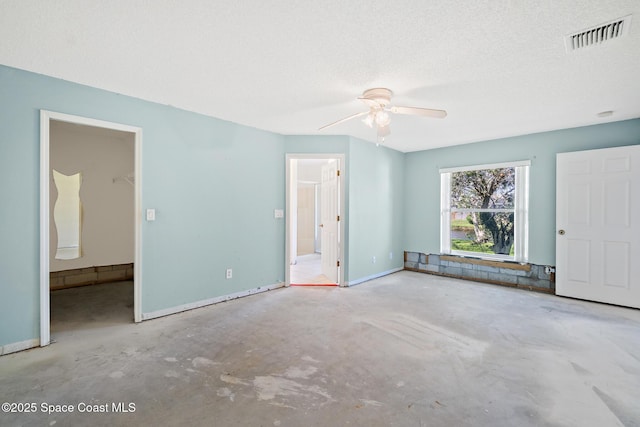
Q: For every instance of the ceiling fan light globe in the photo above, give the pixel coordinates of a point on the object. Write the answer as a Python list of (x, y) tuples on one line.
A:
[(368, 120), (382, 118)]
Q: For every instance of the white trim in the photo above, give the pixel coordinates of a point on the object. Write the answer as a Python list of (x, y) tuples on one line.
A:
[(343, 216), (445, 212), (18, 346), (45, 119), (374, 276), (137, 265), (45, 336), (210, 301), (468, 210), (69, 118), (521, 218), (488, 166)]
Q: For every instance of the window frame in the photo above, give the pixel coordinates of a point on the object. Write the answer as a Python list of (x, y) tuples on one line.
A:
[(521, 211)]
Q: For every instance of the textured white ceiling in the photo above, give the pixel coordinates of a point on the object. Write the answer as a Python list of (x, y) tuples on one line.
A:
[(498, 67)]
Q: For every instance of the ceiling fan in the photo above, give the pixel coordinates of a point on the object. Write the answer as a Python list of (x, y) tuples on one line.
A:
[(379, 102)]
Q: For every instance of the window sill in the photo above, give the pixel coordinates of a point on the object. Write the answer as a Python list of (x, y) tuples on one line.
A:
[(478, 255)]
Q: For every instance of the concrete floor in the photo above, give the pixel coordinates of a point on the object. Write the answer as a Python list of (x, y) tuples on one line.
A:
[(408, 349)]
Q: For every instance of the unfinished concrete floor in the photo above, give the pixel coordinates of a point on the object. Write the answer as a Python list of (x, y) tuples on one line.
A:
[(404, 350)]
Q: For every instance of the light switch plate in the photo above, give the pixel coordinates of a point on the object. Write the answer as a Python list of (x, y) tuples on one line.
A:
[(151, 214), (278, 213)]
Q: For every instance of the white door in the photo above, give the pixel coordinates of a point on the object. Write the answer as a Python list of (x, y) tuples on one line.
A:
[(598, 225), (329, 220)]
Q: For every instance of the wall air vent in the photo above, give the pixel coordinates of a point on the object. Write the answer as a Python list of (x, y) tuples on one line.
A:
[(597, 35)]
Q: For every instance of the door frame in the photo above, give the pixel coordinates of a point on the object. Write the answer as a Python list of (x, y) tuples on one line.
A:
[(45, 120), (289, 225)]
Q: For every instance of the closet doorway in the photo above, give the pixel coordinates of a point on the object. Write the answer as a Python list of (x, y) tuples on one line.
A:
[(90, 218)]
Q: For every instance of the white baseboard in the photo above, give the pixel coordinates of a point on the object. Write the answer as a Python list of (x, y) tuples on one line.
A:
[(18, 346), (203, 303), (374, 276)]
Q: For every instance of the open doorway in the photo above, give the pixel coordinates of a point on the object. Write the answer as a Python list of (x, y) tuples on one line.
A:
[(314, 228), (90, 223)]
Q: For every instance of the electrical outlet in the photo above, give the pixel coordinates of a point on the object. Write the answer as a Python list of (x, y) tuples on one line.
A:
[(390, 255), (373, 260), (229, 273)]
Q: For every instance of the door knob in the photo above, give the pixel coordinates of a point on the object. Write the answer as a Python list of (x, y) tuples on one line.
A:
[(321, 225), (561, 232)]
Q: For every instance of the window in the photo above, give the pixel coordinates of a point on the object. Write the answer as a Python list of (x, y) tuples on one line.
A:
[(484, 211)]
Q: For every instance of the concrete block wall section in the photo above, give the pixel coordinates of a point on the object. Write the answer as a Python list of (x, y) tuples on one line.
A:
[(524, 276), (90, 276)]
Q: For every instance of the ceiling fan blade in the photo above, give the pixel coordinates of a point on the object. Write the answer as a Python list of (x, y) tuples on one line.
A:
[(353, 116), (415, 111)]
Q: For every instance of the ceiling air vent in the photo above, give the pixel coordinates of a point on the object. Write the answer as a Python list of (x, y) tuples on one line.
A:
[(598, 35)]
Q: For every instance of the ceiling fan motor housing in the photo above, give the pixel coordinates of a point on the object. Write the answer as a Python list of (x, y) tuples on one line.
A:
[(382, 96)]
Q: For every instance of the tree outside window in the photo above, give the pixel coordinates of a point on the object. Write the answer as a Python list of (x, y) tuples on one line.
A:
[(484, 211)]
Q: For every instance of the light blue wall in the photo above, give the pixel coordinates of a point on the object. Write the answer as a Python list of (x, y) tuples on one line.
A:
[(422, 201), (375, 209), (213, 183), (309, 144), (214, 186), (19, 237)]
